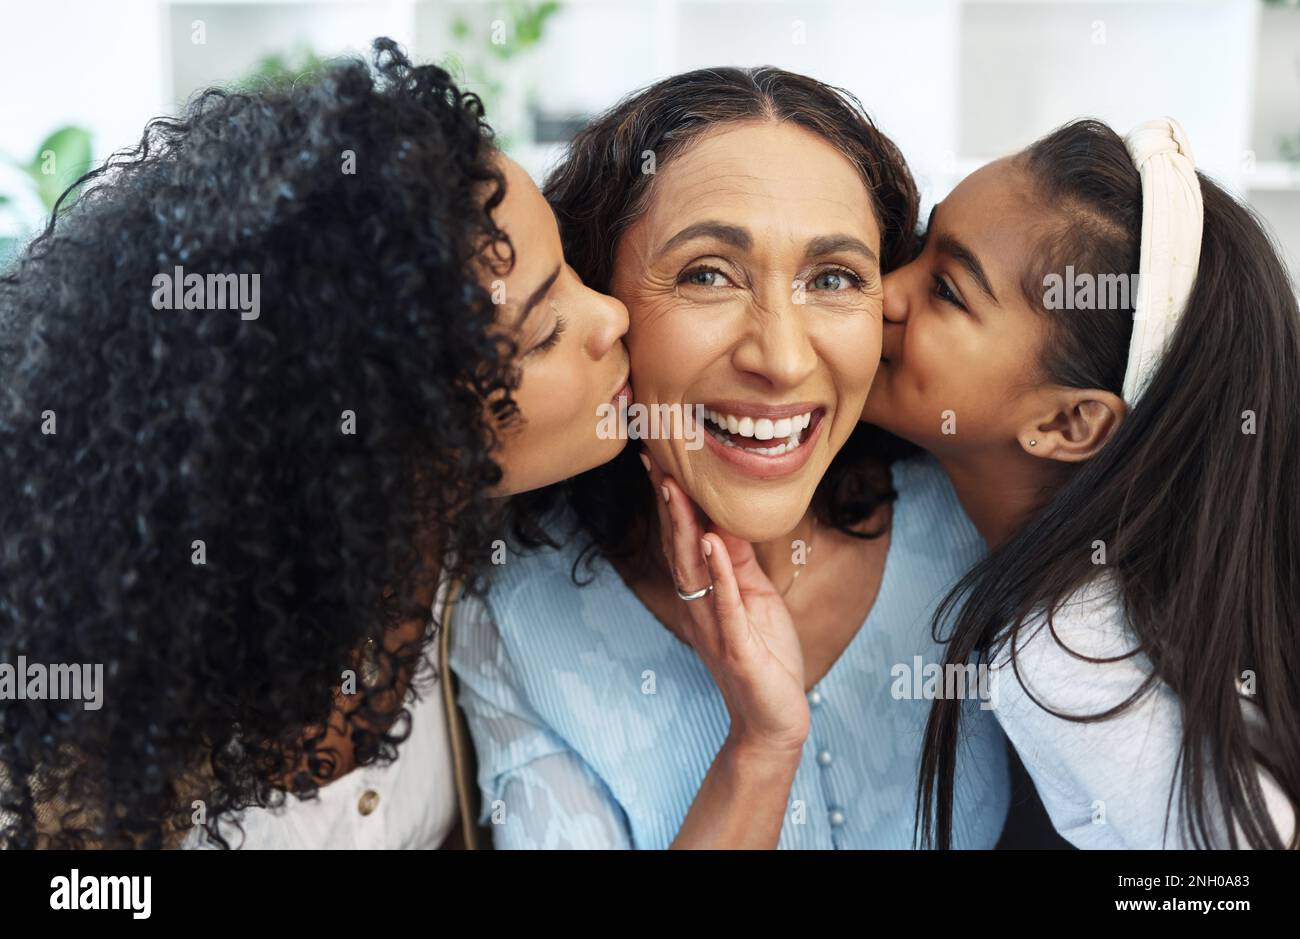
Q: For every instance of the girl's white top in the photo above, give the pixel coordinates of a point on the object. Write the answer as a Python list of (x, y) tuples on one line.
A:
[(1105, 784)]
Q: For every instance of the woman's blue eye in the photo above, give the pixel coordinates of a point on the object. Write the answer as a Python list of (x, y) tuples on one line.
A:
[(704, 277), (836, 280)]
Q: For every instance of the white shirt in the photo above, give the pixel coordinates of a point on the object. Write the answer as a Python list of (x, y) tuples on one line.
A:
[(410, 803), (1105, 784)]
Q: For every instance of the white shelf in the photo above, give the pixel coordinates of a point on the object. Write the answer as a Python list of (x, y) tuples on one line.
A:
[(954, 82)]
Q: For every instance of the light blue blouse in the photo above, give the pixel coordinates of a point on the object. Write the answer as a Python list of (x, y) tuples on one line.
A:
[(594, 726)]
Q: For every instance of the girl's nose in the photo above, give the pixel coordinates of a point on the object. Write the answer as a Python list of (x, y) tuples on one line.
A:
[(895, 307)]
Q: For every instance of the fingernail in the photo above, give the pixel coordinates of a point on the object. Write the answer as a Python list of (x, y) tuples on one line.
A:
[(664, 490), (706, 546), (645, 461)]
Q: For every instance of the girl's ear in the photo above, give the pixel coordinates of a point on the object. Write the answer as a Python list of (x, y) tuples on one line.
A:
[(1073, 424)]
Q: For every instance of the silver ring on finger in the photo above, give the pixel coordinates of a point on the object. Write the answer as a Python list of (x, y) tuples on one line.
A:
[(702, 592)]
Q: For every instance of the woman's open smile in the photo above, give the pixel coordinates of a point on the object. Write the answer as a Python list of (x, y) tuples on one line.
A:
[(762, 441)]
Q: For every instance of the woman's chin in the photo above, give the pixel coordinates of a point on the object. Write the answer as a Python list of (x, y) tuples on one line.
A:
[(752, 523)]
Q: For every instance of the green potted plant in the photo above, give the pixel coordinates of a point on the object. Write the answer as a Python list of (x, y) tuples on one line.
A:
[(61, 158)]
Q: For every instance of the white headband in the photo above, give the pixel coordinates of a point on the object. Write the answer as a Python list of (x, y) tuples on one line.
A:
[(1172, 218)]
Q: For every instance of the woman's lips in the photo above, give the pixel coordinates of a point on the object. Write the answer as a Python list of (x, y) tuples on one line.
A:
[(767, 467)]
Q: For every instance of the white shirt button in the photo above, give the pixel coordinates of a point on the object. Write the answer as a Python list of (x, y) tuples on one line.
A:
[(837, 818), (824, 757), (368, 802), (814, 698)]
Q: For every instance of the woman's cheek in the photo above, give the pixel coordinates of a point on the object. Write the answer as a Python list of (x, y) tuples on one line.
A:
[(854, 356), (670, 343), (553, 398), (649, 304)]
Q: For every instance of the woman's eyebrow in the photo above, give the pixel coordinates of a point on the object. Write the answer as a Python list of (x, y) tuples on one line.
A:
[(732, 235), (535, 298), (830, 244)]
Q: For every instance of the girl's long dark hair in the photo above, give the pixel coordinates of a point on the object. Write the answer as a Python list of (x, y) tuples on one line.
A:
[(1200, 517), (602, 186)]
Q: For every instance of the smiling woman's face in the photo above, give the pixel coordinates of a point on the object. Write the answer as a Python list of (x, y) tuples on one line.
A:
[(754, 289)]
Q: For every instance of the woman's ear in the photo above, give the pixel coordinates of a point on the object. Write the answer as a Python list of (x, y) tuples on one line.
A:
[(1073, 424)]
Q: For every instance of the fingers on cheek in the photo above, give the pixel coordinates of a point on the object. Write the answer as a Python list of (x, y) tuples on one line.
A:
[(687, 548), (685, 513), (713, 555), (681, 520)]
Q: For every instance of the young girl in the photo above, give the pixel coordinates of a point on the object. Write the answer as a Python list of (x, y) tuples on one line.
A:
[(243, 520), (1126, 456)]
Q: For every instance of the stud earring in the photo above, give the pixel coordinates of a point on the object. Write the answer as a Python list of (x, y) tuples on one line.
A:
[(1033, 443)]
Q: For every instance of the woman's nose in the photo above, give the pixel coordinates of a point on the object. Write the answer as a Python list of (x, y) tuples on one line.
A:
[(895, 306), (779, 349), (609, 324)]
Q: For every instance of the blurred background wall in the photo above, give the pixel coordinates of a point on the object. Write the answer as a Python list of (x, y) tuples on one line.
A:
[(955, 82)]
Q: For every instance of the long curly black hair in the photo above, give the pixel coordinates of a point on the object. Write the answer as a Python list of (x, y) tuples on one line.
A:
[(363, 199)]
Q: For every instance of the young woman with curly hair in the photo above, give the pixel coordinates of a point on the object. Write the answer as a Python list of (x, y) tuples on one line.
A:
[(241, 517)]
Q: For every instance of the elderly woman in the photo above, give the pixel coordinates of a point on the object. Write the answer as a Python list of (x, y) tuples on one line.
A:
[(745, 217)]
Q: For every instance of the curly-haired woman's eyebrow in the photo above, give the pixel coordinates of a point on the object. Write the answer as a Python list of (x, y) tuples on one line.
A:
[(535, 297)]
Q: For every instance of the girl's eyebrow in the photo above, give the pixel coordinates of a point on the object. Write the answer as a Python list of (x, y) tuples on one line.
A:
[(959, 252)]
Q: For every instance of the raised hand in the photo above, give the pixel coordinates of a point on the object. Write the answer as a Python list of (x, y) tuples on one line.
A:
[(741, 628)]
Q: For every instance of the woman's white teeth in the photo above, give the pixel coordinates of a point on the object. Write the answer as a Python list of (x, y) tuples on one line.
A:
[(788, 429), (763, 428)]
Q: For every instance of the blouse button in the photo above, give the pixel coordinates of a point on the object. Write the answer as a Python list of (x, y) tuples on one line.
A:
[(837, 818), (824, 757), (368, 802), (814, 697)]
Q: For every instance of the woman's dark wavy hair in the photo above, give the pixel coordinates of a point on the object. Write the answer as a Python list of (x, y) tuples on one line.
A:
[(1201, 522), (177, 426), (600, 188)]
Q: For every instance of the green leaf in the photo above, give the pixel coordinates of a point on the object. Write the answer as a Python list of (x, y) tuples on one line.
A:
[(280, 70), (60, 159)]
